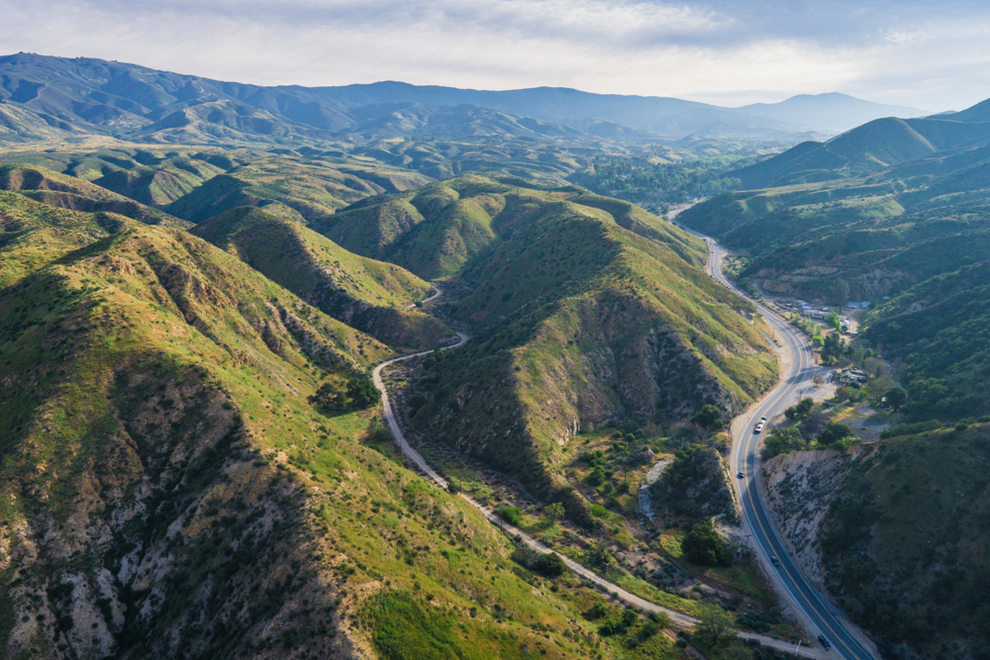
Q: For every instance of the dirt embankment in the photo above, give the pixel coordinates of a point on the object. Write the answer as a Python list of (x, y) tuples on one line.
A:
[(799, 488)]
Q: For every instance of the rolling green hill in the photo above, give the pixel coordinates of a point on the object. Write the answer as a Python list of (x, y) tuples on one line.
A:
[(468, 215), (369, 295), (858, 238), (871, 147), (69, 192), (168, 490), (937, 329), (585, 311), (895, 212), (198, 183)]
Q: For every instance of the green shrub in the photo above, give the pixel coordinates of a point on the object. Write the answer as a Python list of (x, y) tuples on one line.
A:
[(702, 545), (510, 514), (550, 565)]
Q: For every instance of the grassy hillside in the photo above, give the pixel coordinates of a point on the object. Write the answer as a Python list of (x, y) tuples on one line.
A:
[(196, 183), (467, 216), (292, 185), (70, 192), (369, 295), (584, 311), (871, 147), (898, 216), (862, 238), (168, 490), (937, 330)]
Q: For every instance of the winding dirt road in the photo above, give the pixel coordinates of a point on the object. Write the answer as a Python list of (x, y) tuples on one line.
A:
[(679, 619)]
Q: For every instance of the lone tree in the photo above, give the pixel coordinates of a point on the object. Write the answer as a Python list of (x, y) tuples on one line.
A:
[(550, 565), (709, 417), (715, 626), (702, 545), (832, 349), (800, 410), (361, 390)]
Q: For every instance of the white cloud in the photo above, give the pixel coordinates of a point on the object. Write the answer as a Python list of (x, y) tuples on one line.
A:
[(720, 51)]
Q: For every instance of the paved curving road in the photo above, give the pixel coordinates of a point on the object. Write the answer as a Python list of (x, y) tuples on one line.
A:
[(797, 368), (679, 619)]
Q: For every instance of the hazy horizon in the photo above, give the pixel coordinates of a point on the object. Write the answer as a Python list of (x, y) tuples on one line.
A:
[(726, 53)]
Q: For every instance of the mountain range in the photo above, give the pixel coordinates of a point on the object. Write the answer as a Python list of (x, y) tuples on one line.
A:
[(49, 97), (197, 277)]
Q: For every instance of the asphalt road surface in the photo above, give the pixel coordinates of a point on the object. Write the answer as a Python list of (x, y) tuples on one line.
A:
[(797, 367)]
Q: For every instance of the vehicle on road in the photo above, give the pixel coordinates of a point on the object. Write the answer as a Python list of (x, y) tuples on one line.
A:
[(824, 642), (740, 476), (774, 560), (759, 426)]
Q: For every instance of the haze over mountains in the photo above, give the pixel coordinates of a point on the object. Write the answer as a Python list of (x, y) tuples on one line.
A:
[(49, 97)]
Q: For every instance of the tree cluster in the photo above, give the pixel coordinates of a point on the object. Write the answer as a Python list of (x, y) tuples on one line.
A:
[(358, 392)]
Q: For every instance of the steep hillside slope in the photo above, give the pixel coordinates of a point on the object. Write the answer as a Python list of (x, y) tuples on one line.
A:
[(898, 544), (467, 215), (129, 475), (938, 330), (369, 295), (893, 529), (168, 491), (584, 311)]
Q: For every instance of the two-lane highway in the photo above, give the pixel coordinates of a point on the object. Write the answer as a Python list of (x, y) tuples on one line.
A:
[(797, 368)]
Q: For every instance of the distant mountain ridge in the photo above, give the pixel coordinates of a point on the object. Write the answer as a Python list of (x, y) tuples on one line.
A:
[(44, 97), (830, 112), (875, 145)]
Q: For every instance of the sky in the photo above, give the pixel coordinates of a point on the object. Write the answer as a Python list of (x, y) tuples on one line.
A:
[(925, 54)]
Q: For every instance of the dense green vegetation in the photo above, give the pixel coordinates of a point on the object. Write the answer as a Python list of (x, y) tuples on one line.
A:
[(157, 388), (938, 329), (702, 545), (895, 213), (693, 488), (584, 310), (655, 182), (906, 554), (369, 295)]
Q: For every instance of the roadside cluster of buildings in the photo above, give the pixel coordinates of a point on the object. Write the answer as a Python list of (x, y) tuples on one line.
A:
[(850, 377), (820, 313)]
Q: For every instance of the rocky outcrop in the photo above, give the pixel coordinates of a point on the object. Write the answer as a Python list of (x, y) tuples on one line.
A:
[(177, 540), (800, 487)]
